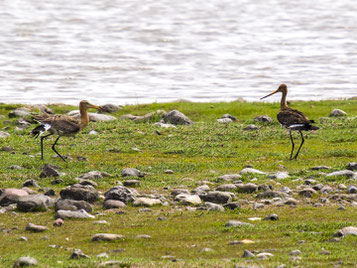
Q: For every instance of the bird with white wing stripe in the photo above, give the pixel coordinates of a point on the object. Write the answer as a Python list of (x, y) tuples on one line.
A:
[(292, 119)]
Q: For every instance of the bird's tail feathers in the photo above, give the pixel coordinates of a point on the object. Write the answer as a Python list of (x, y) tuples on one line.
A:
[(311, 127)]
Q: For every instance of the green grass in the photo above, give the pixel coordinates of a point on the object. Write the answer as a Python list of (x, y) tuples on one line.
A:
[(195, 153)]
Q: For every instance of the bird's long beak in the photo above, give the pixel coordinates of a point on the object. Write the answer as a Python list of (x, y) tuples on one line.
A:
[(94, 106), (270, 94)]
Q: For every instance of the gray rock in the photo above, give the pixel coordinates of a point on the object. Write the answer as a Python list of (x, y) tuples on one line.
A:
[(307, 192), (131, 183), (224, 120), (87, 182), (144, 236), (247, 188), (188, 199), (247, 254), (15, 167), (272, 217), (35, 228), (77, 214), (179, 191), (11, 196), (345, 173), (325, 189), (213, 207), (23, 238), (132, 172), (128, 116), (320, 168), (295, 252), (32, 203), (92, 132), (232, 205), (4, 134), (271, 194), (226, 187), (234, 223), (285, 190), (103, 255), (144, 118), (25, 261), (23, 124), (290, 202), (251, 127), (217, 197), (251, 171), (94, 117), (163, 125), (109, 108), (177, 118), (146, 202), (80, 192), (74, 205), (310, 181), (263, 118), (58, 222), (78, 254), (169, 171), (111, 264), (201, 189), (20, 112), (7, 149), (350, 230), (257, 205), (229, 177), (110, 203), (121, 193), (106, 237), (352, 166), (94, 175), (49, 171), (30, 183), (233, 118), (351, 189), (337, 113), (102, 222), (264, 255), (279, 175)]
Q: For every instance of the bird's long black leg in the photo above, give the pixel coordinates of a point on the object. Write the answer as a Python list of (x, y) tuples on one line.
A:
[(42, 138), (292, 145), (54, 149), (302, 142)]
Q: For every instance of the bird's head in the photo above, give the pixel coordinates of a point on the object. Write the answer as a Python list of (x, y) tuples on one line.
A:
[(84, 104), (282, 88)]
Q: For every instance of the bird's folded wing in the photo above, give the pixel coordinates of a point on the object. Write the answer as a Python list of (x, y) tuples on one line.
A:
[(63, 124)]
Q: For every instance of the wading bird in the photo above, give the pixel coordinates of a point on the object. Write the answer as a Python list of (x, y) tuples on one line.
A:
[(292, 119), (62, 125)]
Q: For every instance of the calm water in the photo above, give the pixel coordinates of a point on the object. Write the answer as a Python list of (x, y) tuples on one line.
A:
[(135, 51)]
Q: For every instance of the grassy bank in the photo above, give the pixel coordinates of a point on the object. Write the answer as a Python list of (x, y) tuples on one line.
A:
[(201, 152)]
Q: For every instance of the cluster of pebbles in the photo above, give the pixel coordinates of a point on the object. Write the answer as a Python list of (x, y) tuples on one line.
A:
[(80, 200)]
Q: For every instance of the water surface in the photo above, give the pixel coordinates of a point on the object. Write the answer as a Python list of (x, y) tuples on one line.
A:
[(134, 51)]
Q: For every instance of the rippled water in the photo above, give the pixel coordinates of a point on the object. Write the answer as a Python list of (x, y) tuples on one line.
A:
[(135, 51)]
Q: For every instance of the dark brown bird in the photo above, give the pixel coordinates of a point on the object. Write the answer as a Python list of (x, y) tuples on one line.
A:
[(62, 125), (292, 119)]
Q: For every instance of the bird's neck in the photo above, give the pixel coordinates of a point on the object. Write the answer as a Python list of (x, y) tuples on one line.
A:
[(84, 117), (283, 103)]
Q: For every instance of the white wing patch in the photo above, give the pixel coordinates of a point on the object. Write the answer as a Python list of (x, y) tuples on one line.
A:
[(295, 126), (47, 126)]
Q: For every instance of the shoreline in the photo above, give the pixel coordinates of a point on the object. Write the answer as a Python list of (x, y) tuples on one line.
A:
[(176, 101)]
